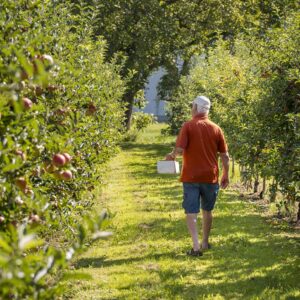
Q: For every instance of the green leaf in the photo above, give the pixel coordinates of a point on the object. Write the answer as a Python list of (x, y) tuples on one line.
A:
[(24, 62), (11, 167), (29, 241), (4, 245)]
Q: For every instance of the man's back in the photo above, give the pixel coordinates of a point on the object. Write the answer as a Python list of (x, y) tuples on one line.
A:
[(201, 140)]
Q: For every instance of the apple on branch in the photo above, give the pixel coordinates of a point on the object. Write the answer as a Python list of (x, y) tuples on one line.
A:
[(27, 103), (66, 175), (58, 160), (67, 156), (21, 154), (34, 218)]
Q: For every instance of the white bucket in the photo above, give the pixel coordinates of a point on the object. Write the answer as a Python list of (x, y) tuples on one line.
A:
[(168, 167)]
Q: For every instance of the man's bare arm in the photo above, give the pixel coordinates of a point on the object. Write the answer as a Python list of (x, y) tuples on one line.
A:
[(225, 176), (176, 151)]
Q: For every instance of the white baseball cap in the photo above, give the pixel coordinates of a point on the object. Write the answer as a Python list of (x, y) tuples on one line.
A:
[(203, 104)]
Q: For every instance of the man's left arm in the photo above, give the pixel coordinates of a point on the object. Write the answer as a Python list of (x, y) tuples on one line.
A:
[(225, 176), (223, 151)]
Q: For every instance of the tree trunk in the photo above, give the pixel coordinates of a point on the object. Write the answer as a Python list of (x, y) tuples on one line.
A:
[(256, 184), (262, 193), (128, 98), (298, 213), (185, 67), (232, 168), (273, 191), (243, 176)]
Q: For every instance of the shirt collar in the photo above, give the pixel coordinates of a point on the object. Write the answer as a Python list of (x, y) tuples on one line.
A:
[(200, 117)]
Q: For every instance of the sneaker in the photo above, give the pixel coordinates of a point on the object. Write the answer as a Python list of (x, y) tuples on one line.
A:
[(205, 249), (192, 252)]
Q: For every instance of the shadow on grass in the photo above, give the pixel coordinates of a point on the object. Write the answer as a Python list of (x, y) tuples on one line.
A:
[(100, 262), (249, 259), (245, 263), (244, 273), (155, 149)]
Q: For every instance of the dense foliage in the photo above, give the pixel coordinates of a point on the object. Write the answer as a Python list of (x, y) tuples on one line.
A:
[(254, 87), (60, 120), (145, 35)]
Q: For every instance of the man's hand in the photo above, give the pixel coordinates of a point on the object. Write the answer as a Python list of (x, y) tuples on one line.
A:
[(224, 181), (225, 163), (170, 156)]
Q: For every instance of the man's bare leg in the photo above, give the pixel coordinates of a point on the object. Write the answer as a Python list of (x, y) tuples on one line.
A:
[(206, 226), (191, 220)]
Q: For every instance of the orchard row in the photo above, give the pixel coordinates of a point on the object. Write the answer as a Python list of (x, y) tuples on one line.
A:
[(60, 121)]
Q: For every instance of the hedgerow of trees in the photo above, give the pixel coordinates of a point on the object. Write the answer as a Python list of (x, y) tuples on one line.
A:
[(254, 87), (60, 120)]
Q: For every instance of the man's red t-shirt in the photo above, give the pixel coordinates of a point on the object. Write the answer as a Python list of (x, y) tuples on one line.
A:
[(201, 140)]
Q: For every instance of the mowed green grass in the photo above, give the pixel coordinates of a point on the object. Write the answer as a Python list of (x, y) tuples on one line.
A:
[(145, 258)]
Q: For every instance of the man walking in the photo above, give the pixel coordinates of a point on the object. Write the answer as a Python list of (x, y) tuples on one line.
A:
[(200, 141)]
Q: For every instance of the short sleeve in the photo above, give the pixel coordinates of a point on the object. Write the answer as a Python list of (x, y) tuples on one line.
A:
[(182, 139), (222, 146)]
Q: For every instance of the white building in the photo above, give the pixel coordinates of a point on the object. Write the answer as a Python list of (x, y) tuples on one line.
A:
[(154, 105)]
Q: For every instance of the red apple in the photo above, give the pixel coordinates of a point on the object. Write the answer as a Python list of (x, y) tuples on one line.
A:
[(21, 154), (58, 160), (68, 157), (27, 103), (34, 218), (21, 183), (66, 175)]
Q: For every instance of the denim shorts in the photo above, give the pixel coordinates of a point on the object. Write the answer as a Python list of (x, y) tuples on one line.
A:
[(199, 195)]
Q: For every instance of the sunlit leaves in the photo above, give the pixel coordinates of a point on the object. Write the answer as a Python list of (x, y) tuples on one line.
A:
[(254, 89), (52, 72)]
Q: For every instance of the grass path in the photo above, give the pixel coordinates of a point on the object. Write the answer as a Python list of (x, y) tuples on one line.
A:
[(145, 259)]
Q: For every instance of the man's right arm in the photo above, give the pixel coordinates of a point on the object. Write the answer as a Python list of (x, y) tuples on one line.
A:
[(225, 176), (181, 143), (172, 156)]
